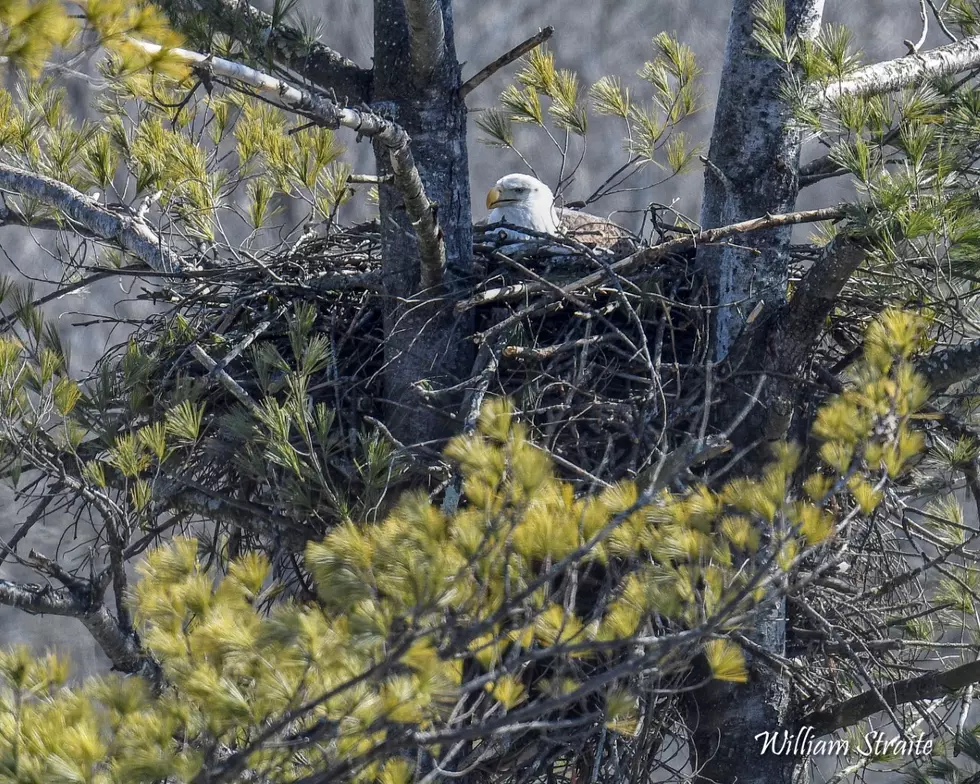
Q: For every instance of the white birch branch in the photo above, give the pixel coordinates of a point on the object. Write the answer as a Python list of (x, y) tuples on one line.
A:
[(255, 29), (909, 71), (330, 115), (128, 232)]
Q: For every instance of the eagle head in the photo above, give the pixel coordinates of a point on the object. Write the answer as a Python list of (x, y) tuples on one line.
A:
[(523, 201)]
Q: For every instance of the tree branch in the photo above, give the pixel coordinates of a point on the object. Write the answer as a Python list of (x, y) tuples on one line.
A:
[(330, 115), (288, 46), (123, 650), (649, 256), (944, 368), (506, 59), (926, 687), (427, 37), (796, 328), (128, 232), (909, 71)]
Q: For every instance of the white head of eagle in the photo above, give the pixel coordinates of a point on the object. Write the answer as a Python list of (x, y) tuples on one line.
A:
[(525, 201)]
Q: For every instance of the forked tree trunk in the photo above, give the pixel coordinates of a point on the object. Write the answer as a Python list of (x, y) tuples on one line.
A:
[(425, 341), (753, 170)]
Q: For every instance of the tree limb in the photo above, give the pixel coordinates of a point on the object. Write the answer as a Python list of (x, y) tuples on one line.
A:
[(330, 115), (657, 253), (427, 36), (128, 232), (930, 686), (944, 368), (796, 328), (506, 59), (908, 71), (289, 47), (122, 649)]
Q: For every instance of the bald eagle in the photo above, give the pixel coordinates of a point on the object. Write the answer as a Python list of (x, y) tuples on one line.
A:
[(525, 201)]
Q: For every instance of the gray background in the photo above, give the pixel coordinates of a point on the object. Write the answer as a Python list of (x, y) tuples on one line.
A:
[(594, 39)]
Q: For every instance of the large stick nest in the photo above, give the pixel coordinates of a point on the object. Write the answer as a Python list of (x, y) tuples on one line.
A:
[(608, 371)]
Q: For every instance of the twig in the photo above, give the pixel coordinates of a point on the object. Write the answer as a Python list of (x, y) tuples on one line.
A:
[(924, 15), (226, 381), (942, 23), (506, 59)]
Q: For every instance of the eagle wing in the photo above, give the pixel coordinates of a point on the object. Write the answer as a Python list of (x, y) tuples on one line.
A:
[(599, 232), (591, 230)]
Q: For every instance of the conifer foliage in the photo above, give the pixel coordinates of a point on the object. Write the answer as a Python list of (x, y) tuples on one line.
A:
[(527, 612), (407, 507)]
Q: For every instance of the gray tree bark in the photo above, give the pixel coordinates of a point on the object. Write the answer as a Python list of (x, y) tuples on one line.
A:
[(752, 170), (426, 340)]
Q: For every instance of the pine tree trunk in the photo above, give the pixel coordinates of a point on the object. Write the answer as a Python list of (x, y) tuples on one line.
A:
[(753, 170), (425, 341)]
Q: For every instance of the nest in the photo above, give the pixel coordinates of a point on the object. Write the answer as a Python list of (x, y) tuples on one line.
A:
[(598, 364)]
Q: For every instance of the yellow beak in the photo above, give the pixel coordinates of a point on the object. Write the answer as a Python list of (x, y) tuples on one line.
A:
[(493, 197)]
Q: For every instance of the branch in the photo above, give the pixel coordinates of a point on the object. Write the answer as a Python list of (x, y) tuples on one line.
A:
[(123, 650), (799, 324), (288, 46), (427, 37), (657, 253), (506, 59), (128, 232), (944, 368), (330, 115), (909, 71), (930, 686)]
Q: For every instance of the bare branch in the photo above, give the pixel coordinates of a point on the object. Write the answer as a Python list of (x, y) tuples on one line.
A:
[(328, 114), (904, 72), (427, 36), (288, 46), (226, 380), (128, 232), (123, 649), (506, 59), (930, 686)]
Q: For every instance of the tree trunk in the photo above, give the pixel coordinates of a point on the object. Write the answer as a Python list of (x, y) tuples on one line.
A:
[(425, 341), (753, 170)]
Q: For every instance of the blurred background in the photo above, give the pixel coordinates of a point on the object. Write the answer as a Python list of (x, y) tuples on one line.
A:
[(595, 39)]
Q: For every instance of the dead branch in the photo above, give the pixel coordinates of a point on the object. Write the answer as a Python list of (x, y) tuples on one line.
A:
[(930, 686), (506, 59), (657, 253), (942, 369)]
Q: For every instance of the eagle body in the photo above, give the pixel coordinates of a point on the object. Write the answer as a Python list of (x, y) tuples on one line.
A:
[(525, 201)]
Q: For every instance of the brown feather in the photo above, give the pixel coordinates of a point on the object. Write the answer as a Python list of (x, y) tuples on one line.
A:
[(596, 231)]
